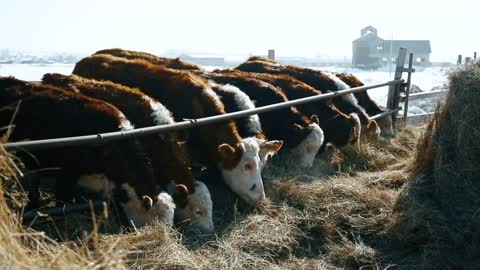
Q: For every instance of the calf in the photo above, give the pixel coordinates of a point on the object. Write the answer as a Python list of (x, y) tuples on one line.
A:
[(188, 96), (169, 158), (339, 129), (301, 135), (371, 107), (48, 112), (173, 63)]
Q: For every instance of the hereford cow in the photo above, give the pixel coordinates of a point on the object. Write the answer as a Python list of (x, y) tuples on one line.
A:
[(48, 112), (173, 63), (188, 96), (301, 135), (320, 80), (371, 107), (339, 129), (169, 158)]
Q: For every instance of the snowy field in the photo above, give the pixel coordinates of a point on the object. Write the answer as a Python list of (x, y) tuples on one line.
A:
[(426, 78)]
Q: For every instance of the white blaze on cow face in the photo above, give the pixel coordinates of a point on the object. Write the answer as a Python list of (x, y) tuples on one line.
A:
[(305, 152), (147, 211), (241, 167), (355, 133), (386, 126), (194, 208)]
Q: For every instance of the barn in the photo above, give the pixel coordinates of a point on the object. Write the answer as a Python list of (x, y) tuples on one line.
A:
[(371, 51)]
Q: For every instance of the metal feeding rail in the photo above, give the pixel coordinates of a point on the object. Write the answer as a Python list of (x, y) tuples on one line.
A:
[(190, 123)]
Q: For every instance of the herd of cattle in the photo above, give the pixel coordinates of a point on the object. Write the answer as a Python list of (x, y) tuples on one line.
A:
[(152, 177)]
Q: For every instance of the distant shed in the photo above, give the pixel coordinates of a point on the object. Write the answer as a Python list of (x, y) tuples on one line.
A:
[(372, 51)]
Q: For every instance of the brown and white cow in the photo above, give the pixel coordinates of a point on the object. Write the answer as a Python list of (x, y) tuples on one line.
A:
[(340, 129), (371, 107), (173, 63), (188, 96), (301, 135), (48, 112), (169, 157), (320, 80)]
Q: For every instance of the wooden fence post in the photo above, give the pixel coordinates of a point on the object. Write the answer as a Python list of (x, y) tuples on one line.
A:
[(394, 90), (407, 89), (474, 55), (459, 59)]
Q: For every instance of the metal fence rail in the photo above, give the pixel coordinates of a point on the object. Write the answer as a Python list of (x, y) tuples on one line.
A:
[(191, 123)]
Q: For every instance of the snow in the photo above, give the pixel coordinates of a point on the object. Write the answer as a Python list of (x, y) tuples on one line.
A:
[(34, 72)]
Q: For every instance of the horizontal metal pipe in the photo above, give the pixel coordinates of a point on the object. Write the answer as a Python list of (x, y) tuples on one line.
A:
[(383, 114), (56, 211), (119, 135)]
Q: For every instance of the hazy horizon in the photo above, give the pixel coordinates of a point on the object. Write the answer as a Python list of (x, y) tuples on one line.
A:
[(303, 28)]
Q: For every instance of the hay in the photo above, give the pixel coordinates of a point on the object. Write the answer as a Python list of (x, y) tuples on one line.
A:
[(437, 213), (23, 248)]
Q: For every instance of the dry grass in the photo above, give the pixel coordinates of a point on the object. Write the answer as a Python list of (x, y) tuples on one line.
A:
[(437, 213)]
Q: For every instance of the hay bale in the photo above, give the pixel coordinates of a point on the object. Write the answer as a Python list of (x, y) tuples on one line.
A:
[(437, 212)]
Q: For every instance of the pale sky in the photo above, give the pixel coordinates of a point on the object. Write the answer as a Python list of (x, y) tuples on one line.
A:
[(292, 28)]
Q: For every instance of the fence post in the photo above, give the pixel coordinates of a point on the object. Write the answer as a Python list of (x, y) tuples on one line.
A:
[(459, 59), (407, 89), (474, 55), (394, 90)]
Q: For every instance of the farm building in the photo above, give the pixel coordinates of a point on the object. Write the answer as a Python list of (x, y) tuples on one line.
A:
[(372, 51)]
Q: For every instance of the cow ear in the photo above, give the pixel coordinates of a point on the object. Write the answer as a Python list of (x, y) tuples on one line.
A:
[(297, 127), (271, 146), (314, 119), (180, 196), (147, 202), (226, 151)]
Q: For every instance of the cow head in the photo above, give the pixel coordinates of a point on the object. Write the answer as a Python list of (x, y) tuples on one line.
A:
[(355, 131), (147, 210), (386, 126), (305, 152), (194, 208), (241, 165)]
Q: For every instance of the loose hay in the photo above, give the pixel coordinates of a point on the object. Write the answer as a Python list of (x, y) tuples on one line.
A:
[(437, 213)]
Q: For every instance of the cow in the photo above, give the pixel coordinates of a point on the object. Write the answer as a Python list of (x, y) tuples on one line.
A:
[(189, 97), (339, 129), (371, 107), (47, 112), (320, 80), (173, 63), (301, 135), (169, 158)]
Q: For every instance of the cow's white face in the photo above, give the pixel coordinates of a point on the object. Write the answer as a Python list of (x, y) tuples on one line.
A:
[(147, 211), (195, 208), (140, 212), (386, 126), (241, 167), (355, 132), (305, 152)]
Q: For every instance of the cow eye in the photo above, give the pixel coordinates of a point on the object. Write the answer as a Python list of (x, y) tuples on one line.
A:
[(248, 167)]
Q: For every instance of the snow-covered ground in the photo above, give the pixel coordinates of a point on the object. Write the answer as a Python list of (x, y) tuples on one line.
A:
[(425, 78), (34, 72)]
